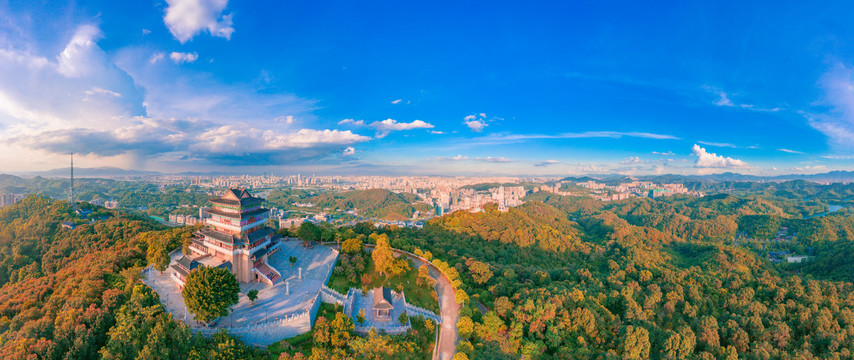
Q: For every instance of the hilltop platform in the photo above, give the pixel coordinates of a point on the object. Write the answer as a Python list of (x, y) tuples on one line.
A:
[(273, 304)]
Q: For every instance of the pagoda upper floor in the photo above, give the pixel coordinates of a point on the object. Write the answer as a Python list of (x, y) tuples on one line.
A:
[(236, 201)]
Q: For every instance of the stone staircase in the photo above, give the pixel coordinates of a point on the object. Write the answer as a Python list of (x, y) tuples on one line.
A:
[(268, 273)]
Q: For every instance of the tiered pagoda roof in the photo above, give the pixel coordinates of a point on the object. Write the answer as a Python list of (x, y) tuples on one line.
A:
[(237, 197)]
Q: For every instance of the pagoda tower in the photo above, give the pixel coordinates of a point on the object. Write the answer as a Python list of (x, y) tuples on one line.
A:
[(237, 235)]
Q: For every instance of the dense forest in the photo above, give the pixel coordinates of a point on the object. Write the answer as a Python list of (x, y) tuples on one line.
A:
[(644, 278), (75, 294)]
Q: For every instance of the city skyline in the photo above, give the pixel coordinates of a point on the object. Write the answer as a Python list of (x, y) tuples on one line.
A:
[(439, 88)]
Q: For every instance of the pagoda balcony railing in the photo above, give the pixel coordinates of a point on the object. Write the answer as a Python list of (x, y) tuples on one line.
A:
[(235, 227), (201, 248)]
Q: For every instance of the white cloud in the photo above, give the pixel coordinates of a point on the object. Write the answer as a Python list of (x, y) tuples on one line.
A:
[(288, 119), (790, 151), (839, 157), (668, 153), (494, 159), (187, 18), (99, 91), (348, 151), (76, 59), (397, 101), (388, 125), (455, 158), (476, 125), (476, 122), (810, 168), (82, 102), (156, 57), (547, 163), (80, 89), (718, 144), (240, 139), (711, 160), (437, 132), (631, 160), (723, 99), (180, 57), (837, 123), (352, 122), (306, 138)]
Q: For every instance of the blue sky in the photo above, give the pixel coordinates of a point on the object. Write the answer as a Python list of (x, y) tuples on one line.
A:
[(390, 87)]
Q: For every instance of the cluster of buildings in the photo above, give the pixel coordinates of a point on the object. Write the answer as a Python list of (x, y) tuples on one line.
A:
[(622, 191), (412, 184), (399, 223), (286, 222), (449, 200), (185, 219), (9, 199), (109, 204)]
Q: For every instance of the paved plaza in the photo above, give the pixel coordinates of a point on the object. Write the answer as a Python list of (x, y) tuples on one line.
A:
[(273, 303)]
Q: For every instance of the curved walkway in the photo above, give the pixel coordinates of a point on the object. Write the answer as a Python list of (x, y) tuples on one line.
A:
[(448, 307)]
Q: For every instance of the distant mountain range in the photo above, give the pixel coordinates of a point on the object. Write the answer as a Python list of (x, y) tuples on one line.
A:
[(831, 177)]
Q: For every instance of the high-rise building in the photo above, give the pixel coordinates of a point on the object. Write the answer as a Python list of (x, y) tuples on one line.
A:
[(9, 199), (236, 238)]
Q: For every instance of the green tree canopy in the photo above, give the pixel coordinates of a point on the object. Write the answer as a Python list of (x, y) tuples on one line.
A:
[(210, 292)]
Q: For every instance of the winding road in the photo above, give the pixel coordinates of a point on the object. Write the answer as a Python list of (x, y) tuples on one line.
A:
[(449, 311), (448, 307)]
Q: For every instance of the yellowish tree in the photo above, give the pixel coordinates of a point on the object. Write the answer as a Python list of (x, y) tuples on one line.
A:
[(351, 246), (384, 261), (465, 326)]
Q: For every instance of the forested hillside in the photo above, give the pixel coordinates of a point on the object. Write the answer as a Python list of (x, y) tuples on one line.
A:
[(533, 223), (75, 294), (661, 280)]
